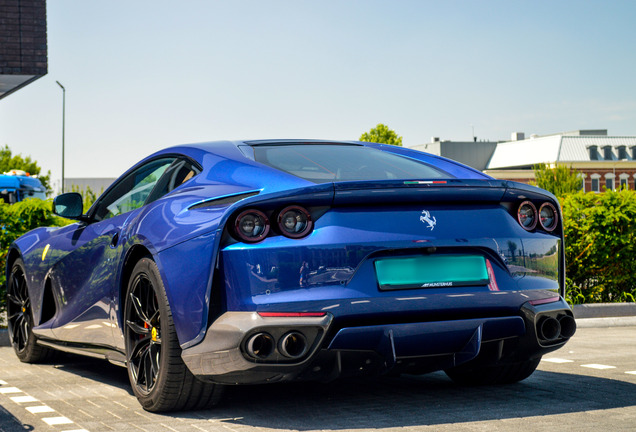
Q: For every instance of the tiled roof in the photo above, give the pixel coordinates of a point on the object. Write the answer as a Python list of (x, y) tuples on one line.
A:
[(556, 148), (576, 148)]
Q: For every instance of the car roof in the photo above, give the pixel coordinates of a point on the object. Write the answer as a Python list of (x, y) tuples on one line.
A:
[(232, 150)]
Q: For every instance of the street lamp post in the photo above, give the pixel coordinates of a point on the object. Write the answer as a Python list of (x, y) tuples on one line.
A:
[(63, 127)]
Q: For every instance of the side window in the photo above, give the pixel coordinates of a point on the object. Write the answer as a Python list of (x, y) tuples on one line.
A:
[(133, 190), (178, 173)]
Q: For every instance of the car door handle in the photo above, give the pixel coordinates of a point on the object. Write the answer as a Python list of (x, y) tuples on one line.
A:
[(114, 240)]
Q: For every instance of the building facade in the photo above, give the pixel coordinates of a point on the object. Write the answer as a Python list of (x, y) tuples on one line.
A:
[(603, 161), (23, 43)]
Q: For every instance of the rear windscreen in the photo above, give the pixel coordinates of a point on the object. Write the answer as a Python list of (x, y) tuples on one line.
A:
[(322, 163)]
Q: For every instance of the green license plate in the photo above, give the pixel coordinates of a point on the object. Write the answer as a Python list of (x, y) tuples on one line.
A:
[(431, 271)]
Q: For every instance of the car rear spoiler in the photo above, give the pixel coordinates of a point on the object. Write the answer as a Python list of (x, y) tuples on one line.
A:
[(408, 191)]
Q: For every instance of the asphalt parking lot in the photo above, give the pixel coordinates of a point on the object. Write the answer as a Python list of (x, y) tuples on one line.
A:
[(590, 385)]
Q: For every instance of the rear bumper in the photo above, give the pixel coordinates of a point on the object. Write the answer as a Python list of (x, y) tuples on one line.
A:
[(416, 347)]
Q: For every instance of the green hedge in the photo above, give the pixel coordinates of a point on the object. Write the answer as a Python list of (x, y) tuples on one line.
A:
[(600, 246), (17, 219)]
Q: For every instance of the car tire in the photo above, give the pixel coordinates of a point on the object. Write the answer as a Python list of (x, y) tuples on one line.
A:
[(500, 374), (159, 378), (20, 318)]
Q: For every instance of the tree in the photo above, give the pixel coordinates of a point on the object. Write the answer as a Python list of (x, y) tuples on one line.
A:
[(560, 180), (8, 162), (383, 135)]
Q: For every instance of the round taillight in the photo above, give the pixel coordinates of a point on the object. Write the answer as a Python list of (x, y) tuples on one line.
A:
[(548, 216), (527, 215), (295, 222), (251, 226)]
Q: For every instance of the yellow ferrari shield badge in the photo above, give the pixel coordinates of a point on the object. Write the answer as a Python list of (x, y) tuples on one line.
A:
[(46, 250)]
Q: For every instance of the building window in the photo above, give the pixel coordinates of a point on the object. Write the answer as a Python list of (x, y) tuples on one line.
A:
[(622, 152), (594, 152), (596, 187), (607, 153), (609, 181), (633, 148), (624, 181)]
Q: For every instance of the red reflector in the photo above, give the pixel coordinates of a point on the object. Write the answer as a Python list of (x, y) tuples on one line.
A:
[(544, 301), (492, 285), (292, 314)]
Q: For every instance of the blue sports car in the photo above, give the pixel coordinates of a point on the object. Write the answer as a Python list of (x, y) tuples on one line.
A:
[(262, 261)]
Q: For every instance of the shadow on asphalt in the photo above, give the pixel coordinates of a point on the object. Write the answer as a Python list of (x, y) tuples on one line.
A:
[(385, 402), (9, 423), (95, 369), (415, 401)]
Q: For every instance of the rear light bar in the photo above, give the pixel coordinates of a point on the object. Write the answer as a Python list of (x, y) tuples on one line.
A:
[(544, 301)]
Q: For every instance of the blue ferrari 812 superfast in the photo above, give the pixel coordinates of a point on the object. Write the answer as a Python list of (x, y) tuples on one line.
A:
[(248, 262)]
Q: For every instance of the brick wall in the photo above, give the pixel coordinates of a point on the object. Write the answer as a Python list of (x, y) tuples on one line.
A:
[(589, 173), (23, 49)]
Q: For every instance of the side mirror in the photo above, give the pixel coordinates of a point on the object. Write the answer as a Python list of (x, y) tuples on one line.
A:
[(69, 205)]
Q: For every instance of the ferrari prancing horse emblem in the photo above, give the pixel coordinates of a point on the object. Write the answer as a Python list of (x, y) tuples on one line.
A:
[(426, 218)]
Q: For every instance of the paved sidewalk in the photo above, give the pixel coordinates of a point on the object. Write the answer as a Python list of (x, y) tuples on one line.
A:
[(588, 386)]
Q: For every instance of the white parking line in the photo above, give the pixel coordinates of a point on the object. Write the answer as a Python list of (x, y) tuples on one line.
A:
[(40, 409), (598, 366), (557, 360), (52, 421), (591, 366), (23, 399), (37, 409), (8, 390)]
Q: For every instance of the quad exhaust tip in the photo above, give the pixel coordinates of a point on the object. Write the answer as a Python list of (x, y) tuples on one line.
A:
[(293, 345), (551, 329), (548, 329), (568, 326), (260, 345)]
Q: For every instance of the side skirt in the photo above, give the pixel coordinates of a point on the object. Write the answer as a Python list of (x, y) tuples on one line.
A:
[(114, 356)]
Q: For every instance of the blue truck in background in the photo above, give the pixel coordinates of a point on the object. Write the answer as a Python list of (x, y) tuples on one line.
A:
[(17, 185)]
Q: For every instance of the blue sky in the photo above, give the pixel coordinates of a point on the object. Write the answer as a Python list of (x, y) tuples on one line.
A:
[(145, 75)]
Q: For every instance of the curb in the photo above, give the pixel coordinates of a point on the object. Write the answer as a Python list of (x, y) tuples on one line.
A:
[(604, 310), (606, 322), (603, 315)]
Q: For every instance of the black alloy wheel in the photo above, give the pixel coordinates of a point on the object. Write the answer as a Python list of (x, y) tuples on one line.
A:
[(20, 317), (159, 378), (143, 334)]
